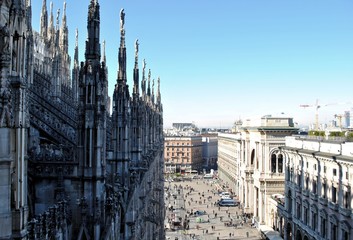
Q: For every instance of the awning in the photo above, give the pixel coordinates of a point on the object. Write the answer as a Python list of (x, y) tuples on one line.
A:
[(269, 233)]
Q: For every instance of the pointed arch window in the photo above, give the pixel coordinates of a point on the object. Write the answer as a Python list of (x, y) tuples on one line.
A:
[(89, 93)]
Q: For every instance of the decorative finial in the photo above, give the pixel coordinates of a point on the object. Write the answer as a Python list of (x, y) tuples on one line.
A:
[(64, 8), (144, 64)]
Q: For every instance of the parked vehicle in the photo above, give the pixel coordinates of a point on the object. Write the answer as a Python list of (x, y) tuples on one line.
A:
[(224, 194), (199, 213), (228, 203)]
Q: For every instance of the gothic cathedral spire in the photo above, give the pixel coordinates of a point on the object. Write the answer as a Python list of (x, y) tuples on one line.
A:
[(51, 33), (93, 51), (44, 21), (64, 33)]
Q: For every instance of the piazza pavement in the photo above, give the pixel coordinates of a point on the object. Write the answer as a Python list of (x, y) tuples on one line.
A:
[(185, 198)]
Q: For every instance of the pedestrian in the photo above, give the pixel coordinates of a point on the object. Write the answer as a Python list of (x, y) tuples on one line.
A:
[(230, 234), (247, 234)]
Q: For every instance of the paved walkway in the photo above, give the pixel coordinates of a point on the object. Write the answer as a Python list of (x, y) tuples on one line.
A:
[(185, 198)]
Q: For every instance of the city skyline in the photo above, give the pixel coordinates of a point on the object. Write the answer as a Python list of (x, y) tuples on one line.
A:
[(221, 61)]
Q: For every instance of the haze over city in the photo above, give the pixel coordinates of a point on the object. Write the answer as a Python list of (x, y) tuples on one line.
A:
[(223, 60)]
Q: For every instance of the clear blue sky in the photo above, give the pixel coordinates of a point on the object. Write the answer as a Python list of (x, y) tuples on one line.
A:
[(221, 60)]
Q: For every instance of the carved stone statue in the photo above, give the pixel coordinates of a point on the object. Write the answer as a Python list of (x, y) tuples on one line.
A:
[(137, 47), (122, 19), (144, 64), (4, 39), (57, 17)]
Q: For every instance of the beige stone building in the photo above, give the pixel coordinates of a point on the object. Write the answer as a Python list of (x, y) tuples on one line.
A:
[(182, 153), (318, 201), (252, 166)]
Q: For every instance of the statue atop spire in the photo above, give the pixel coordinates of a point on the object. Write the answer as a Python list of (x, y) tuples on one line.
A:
[(93, 28), (158, 91), (64, 16), (136, 71), (76, 37), (57, 18), (122, 50), (104, 59), (143, 82), (149, 83), (122, 29), (76, 63), (152, 97), (136, 51), (122, 20)]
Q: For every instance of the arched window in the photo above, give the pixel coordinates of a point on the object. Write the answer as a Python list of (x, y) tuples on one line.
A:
[(323, 225), (273, 163), (345, 229), (252, 157), (314, 186), (299, 209), (289, 200), (314, 217), (280, 163), (334, 227)]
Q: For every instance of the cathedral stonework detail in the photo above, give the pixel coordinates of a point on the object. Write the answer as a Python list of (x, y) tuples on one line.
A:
[(69, 168)]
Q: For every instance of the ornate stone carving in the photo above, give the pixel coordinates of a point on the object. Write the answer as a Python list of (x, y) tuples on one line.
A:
[(5, 109)]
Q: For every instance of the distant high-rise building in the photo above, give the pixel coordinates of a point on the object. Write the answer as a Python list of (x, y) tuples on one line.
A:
[(347, 119)]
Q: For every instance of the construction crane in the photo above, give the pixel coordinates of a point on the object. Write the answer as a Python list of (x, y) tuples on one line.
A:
[(317, 106)]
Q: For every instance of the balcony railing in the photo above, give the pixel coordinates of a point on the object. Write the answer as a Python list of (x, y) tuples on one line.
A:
[(313, 196), (345, 211), (333, 206)]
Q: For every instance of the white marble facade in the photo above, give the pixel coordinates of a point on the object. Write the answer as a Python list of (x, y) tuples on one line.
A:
[(319, 173)]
